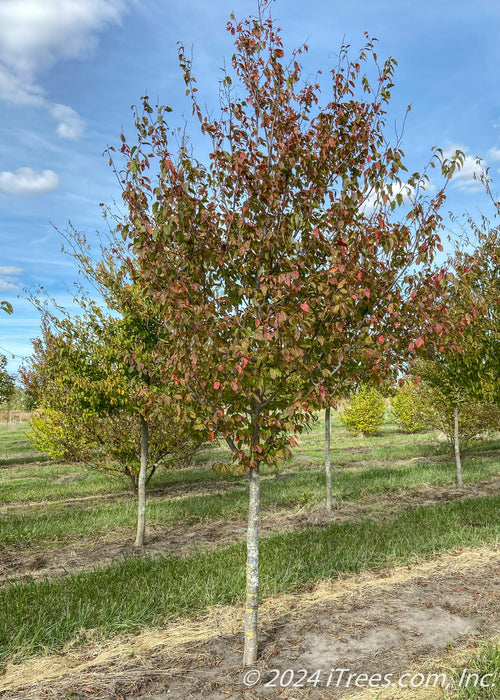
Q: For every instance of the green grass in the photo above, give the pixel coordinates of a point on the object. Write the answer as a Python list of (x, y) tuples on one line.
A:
[(40, 616), (485, 668), (13, 440), (390, 462), (40, 509), (53, 523)]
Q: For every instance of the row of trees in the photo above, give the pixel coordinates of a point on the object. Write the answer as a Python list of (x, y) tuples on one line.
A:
[(7, 385), (241, 295)]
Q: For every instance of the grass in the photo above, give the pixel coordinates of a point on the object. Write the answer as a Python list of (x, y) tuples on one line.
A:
[(40, 616), (52, 523), (391, 462), (481, 681), (45, 504), (13, 440)]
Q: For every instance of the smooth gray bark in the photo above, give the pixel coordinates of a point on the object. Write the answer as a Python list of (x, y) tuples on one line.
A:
[(458, 461), (328, 466), (141, 485), (252, 578)]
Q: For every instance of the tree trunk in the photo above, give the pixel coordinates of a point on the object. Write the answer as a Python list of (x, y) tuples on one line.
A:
[(252, 591), (460, 482), (141, 485), (328, 466)]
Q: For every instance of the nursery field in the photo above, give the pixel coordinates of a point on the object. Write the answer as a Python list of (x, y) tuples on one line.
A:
[(400, 580)]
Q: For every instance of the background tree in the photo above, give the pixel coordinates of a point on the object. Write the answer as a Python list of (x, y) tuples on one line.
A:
[(439, 403), (95, 404), (267, 267), (466, 377), (6, 381), (7, 384)]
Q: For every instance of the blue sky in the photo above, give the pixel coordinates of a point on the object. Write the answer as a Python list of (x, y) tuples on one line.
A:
[(71, 69)]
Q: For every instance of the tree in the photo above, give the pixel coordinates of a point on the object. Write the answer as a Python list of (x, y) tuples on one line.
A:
[(466, 375), (7, 385), (477, 269), (93, 407), (274, 277)]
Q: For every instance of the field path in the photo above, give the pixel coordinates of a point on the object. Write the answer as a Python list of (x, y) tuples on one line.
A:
[(410, 619)]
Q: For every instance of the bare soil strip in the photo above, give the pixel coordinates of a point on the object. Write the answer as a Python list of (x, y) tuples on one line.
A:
[(42, 561), (393, 621)]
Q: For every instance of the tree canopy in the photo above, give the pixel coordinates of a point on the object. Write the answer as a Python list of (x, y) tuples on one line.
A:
[(280, 269)]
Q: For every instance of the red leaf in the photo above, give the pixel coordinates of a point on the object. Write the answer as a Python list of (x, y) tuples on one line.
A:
[(216, 385), (419, 342), (411, 347), (305, 307), (211, 437)]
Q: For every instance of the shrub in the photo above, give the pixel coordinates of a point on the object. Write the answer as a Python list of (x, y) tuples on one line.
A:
[(365, 411), (406, 409)]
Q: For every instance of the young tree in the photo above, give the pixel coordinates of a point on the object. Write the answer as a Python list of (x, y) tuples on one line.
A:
[(467, 374), (273, 273), (94, 406), (7, 385)]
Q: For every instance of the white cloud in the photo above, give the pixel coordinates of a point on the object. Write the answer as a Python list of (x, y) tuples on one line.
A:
[(494, 153), (17, 89), (27, 182), (70, 124), (36, 34), (8, 274), (9, 270), (6, 286)]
